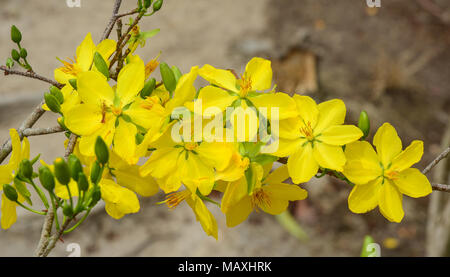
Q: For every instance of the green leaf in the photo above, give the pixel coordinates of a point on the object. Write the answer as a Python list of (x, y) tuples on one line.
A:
[(101, 64), (176, 72), (168, 77), (264, 159), (148, 34)]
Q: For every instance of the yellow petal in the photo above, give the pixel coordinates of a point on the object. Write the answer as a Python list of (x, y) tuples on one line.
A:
[(9, 215), (119, 200), (277, 176), (340, 134), (364, 198), (196, 174), (125, 141), (62, 192), (413, 183), (16, 156), (25, 154), (289, 128), (215, 97), (85, 53), (220, 77), (260, 73), (94, 89), (185, 90), (390, 202), (84, 119), (216, 154), (285, 192), (106, 48), (284, 104), (331, 113), (329, 156), (203, 215), (238, 213), (234, 192), (130, 82), (302, 165), (6, 175), (106, 131), (388, 143), (408, 157), (307, 109), (161, 163), (130, 178), (62, 77)]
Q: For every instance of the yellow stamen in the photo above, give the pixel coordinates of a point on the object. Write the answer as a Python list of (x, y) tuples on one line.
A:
[(307, 131), (70, 67), (175, 198), (246, 86), (116, 111), (190, 146), (393, 175), (260, 199)]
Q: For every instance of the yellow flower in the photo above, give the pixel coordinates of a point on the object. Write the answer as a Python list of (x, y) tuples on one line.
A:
[(7, 174), (119, 200), (382, 178), (315, 138), (111, 114), (270, 195), (227, 89), (202, 214), (83, 60)]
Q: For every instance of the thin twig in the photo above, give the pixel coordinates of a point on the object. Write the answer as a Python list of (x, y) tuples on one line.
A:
[(441, 187), (42, 131), (27, 123), (71, 145), (30, 74), (45, 234), (54, 239), (112, 20), (441, 156)]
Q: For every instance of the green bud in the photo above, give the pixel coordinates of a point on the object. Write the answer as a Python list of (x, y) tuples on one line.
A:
[(250, 176), (364, 123), (57, 93), (26, 169), (9, 63), (168, 77), (62, 171), (16, 35), (74, 166), (157, 5), (83, 183), (10, 192), (52, 103), (23, 53), (139, 138), (47, 179), (148, 88), (22, 190), (147, 3), (73, 83), (15, 55), (177, 73), (96, 196), (101, 64), (67, 210), (96, 172), (101, 150)]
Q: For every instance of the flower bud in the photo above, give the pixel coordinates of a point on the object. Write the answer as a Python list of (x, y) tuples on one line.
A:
[(83, 183), (95, 197), (148, 88), (10, 192), (9, 63), (157, 5), (73, 83), (168, 77), (52, 103), (15, 55), (101, 65), (57, 93), (96, 172), (177, 73), (16, 35), (47, 179), (23, 53), (62, 171), (74, 166), (101, 150), (364, 123), (147, 3), (67, 210), (26, 169)]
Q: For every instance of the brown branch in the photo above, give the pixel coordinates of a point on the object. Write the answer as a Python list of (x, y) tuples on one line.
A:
[(54, 239), (441, 187), (112, 21), (27, 123), (441, 156), (71, 145), (45, 234), (42, 131), (30, 74)]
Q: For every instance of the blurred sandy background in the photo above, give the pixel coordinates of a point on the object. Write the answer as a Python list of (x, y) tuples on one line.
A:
[(393, 62)]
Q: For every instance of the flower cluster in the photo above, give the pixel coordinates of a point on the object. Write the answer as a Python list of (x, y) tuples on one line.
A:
[(247, 142)]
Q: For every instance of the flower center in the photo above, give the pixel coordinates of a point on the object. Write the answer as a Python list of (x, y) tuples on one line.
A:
[(190, 146), (70, 67), (246, 86), (174, 199), (392, 175), (116, 110), (260, 199), (307, 131)]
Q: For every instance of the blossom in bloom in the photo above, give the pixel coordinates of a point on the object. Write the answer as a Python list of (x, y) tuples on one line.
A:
[(109, 113), (381, 178), (315, 138), (270, 194), (202, 214), (7, 175)]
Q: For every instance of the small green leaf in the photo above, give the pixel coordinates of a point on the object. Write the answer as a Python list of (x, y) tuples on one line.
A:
[(264, 159), (101, 64), (168, 77), (250, 176)]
